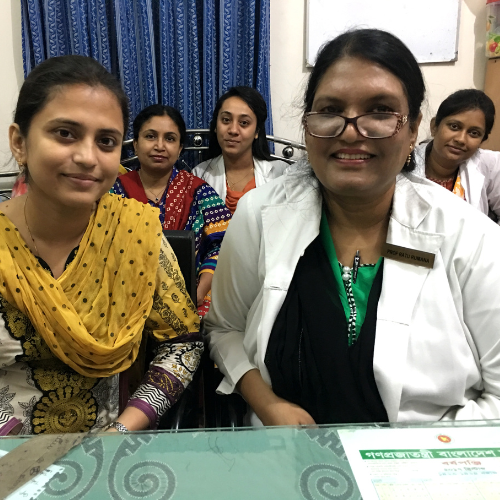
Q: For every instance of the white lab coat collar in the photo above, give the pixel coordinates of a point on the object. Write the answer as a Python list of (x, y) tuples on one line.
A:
[(215, 174), (473, 181)]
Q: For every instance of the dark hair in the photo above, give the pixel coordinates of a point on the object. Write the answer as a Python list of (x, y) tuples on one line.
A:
[(255, 101), (379, 47), (160, 110), (468, 100), (57, 72)]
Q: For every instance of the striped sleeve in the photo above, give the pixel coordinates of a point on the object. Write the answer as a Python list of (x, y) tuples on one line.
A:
[(209, 220)]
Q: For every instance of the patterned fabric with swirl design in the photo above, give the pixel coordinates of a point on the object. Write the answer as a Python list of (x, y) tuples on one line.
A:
[(46, 395), (185, 54), (206, 215)]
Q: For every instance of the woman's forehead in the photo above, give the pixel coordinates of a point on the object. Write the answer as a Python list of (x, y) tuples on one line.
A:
[(236, 106), (162, 123), (469, 117), (352, 78)]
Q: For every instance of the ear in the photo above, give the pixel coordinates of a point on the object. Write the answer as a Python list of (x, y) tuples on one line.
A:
[(256, 134), (17, 143), (433, 126), (414, 129), (134, 143)]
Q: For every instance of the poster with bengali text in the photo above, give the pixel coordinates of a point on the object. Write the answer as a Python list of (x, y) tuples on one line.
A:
[(436, 463)]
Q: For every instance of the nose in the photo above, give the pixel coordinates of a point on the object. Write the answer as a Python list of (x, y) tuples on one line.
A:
[(233, 128), (85, 154), (160, 144), (351, 134), (460, 136)]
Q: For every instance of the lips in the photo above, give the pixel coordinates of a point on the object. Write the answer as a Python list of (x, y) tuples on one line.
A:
[(158, 157), (455, 149), (344, 156), (82, 177), (352, 154), (82, 181)]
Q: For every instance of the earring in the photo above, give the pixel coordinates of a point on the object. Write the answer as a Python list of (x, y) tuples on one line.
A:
[(408, 160)]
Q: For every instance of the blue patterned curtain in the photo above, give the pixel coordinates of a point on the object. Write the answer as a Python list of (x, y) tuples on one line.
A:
[(184, 53)]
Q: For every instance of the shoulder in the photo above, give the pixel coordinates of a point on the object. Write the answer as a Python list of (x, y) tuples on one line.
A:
[(131, 174), (13, 208), (420, 160), (485, 161), (430, 208), (296, 187), (205, 197), (115, 201), (270, 169), (208, 167)]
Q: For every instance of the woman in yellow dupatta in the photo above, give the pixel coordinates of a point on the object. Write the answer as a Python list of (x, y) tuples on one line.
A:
[(84, 273)]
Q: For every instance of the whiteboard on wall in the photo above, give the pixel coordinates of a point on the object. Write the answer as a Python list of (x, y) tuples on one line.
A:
[(428, 27)]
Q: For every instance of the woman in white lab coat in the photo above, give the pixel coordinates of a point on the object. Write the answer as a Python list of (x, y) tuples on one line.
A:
[(239, 156), (350, 290), (454, 160)]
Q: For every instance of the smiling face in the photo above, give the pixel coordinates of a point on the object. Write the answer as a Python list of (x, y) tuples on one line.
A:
[(236, 127), (158, 145), (458, 137), (350, 164), (73, 146)]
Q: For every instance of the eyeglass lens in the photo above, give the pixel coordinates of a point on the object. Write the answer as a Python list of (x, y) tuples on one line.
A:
[(374, 126)]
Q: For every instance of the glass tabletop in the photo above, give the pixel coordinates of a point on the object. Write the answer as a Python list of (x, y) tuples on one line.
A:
[(244, 463)]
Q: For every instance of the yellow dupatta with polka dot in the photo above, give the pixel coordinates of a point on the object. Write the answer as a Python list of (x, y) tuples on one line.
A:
[(93, 315)]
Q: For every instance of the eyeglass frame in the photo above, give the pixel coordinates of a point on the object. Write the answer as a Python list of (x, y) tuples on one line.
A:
[(402, 119)]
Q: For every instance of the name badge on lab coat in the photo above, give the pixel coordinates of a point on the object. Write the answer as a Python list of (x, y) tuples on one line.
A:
[(408, 255)]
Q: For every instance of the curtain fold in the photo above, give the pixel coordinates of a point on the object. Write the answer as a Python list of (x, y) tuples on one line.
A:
[(184, 53)]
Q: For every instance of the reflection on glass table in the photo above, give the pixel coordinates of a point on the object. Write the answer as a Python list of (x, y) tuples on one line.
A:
[(275, 463)]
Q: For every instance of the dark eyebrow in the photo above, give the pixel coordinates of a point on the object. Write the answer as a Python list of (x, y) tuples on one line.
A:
[(382, 97), (231, 114), (72, 123), (64, 121), (110, 131), (170, 132)]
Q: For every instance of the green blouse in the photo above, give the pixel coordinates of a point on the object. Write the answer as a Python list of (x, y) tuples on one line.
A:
[(353, 296)]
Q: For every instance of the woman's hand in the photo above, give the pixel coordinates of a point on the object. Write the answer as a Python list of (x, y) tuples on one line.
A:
[(282, 412), (271, 409), (204, 287), (133, 419)]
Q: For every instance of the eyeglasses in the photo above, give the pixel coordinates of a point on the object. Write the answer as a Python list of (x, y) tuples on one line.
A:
[(369, 125)]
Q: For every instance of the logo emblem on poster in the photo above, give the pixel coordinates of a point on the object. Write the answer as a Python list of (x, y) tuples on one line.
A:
[(444, 439)]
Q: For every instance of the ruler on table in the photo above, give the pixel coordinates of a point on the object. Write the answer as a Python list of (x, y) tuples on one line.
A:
[(32, 457)]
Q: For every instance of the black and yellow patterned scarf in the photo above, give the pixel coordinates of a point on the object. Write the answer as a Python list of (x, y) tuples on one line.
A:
[(92, 316)]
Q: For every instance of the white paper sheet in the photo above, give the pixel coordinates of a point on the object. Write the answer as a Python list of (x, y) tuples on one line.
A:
[(456, 463)]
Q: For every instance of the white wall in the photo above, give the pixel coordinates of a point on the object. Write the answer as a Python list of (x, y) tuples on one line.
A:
[(289, 74), (12, 73)]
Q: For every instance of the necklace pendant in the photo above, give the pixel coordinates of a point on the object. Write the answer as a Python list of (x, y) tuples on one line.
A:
[(355, 266)]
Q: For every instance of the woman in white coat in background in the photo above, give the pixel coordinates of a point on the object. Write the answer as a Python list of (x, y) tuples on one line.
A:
[(350, 290), (453, 158), (239, 154)]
